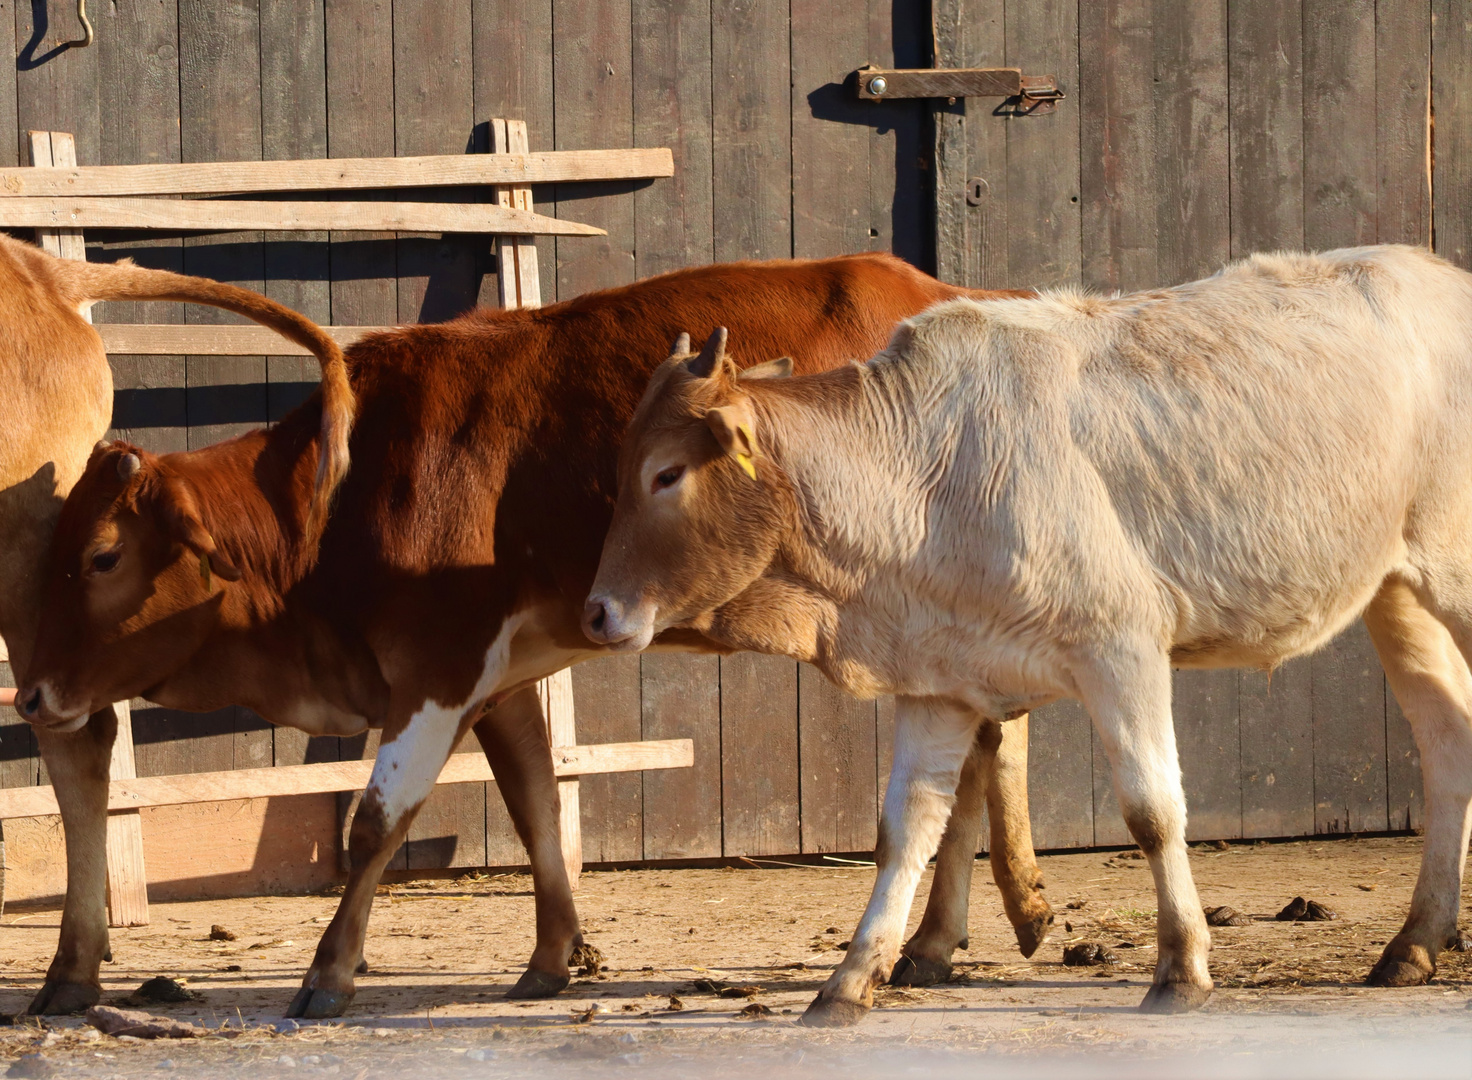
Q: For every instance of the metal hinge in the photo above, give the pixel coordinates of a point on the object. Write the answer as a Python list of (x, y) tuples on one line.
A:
[(1026, 95)]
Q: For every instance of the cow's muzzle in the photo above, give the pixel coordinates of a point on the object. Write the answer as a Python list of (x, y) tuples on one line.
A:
[(608, 622), (35, 704)]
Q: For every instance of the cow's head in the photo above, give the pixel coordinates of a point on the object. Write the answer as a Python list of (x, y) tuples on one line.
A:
[(700, 508), (134, 583)]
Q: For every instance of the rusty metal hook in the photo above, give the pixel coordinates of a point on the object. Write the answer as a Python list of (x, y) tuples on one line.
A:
[(88, 36)]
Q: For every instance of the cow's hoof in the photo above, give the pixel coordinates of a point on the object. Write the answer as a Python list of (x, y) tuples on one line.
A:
[(63, 998), (1033, 933), (1165, 999), (538, 984), (919, 971), (833, 1013), (1402, 965), (318, 1004), (362, 968)]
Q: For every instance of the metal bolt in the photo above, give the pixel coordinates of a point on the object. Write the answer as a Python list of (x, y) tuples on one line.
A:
[(878, 85)]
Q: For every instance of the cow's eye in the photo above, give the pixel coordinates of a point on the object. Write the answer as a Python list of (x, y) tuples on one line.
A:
[(666, 478), (106, 560)]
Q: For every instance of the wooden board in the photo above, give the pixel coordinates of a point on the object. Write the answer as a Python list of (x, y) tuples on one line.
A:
[(1276, 715), (681, 696), (760, 788), (227, 214), (339, 174), (127, 878), (1266, 125), (751, 122), (1451, 63), (342, 776), (1060, 776), (837, 753), (1402, 97), (1349, 735), (1339, 125), (1208, 740)]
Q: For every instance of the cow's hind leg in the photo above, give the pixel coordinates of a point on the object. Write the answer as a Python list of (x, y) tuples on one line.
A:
[(1127, 692), (1430, 677), (409, 761), (931, 745), (514, 738), (79, 765), (996, 769)]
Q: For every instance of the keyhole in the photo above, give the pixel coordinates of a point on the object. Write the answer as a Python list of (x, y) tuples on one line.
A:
[(977, 190)]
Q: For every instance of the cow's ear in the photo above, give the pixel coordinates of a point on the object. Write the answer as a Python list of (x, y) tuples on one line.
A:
[(179, 513), (735, 429), (780, 368), (708, 360)]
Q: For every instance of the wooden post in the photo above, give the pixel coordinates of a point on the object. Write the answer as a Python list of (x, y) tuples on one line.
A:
[(127, 878), (521, 287)]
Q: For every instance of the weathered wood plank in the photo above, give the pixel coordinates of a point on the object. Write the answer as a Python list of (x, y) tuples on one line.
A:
[(1043, 213), (1340, 99), (1276, 712), (210, 216), (1266, 125), (339, 174), (1208, 740), (224, 785), (932, 83), (61, 94), (1060, 776), (681, 696), (220, 340), (751, 121), (607, 692), (1192, 180), (838, 755), (1402, 89), (1451, 64), (1117, 133), (512, 59), (1349, 735), (760, 786), (127, 878)]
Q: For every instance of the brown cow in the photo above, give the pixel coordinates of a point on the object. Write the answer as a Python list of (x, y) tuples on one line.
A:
[(451, 574), (56, 398)]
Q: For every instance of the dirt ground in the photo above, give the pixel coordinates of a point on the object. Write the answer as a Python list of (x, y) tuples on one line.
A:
[(443, 953)]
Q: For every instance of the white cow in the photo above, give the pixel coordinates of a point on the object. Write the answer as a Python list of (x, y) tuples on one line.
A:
[(1064, 497)]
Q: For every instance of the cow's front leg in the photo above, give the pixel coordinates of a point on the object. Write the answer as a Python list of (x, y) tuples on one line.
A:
[(514, 738), (1127, 692), (79, 765), (409, 761), (931, 745)]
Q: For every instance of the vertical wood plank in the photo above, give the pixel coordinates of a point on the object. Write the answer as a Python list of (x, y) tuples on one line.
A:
[(360, 123), (127, 878), (609, 710), (1405, 794), (591, 55), (556, 696), (671, 64), (11, 151), (1339, 129), (512, 59), (1060, 776), (1349, 736), (1451, 66), (838, 758), (1192, 191), (752, 122), (434, 113), (681, 699), (1276, 713), (1043, 211), (1402, 86), (1208, 741), (759, 766), (901, 198), (1117, 133), (60, 94), (1266, 125), (830, 136)]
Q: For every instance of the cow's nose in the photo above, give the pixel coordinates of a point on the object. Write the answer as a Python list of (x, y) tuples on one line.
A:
[(595, 620), (29, 703)]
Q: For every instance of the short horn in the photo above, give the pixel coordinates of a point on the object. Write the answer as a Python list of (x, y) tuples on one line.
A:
[(681, 347), (710, 356), (128, 464)]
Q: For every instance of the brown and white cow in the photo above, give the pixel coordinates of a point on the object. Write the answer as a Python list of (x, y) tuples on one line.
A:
[(1063, 497), (451, 574), (56, 402)]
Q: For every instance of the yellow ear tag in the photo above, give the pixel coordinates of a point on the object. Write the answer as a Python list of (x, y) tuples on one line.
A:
[(744, 460), (204, 571)]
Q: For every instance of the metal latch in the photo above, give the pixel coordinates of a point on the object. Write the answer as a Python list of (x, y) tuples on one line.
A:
[(1027, 95)]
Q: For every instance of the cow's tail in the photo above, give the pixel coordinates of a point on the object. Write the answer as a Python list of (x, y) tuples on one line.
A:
[(85, 283)]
